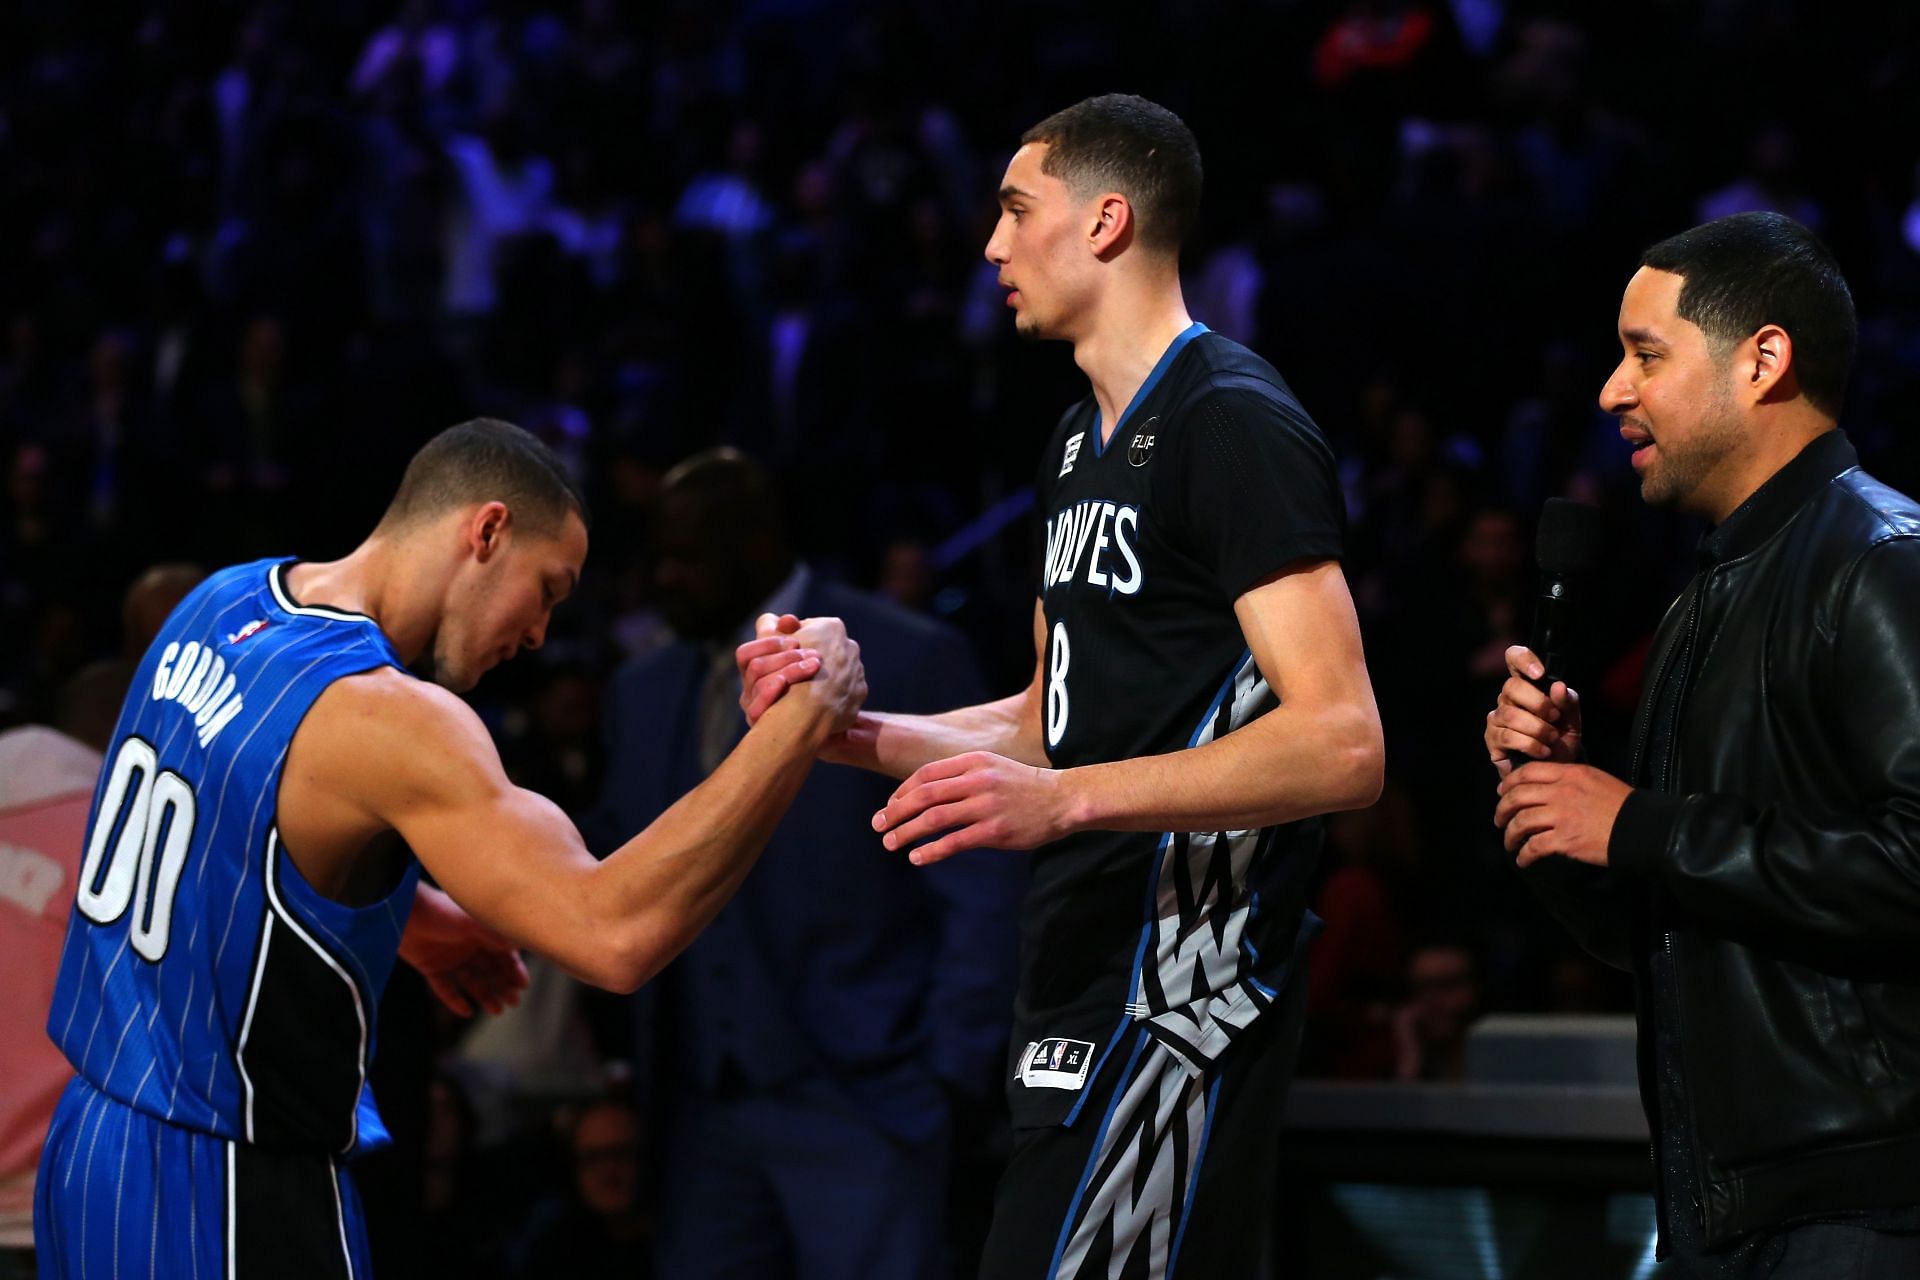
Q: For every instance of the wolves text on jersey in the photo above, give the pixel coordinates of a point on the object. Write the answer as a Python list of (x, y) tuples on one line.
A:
[(1105, 534)]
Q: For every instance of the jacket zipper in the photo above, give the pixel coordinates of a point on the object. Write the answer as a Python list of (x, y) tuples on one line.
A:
[(1686, 633), (1684, 653)]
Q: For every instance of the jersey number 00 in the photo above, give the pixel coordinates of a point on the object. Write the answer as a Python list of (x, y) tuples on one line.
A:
[(138, 847)]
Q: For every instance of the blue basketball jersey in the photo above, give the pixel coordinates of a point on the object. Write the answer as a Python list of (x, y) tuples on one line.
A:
[(204, 982)]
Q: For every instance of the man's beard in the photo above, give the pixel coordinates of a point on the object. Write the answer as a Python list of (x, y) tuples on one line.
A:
[(1680, 474)]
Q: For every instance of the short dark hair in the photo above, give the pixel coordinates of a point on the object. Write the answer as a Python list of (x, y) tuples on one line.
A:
[(1122, 142), (487, 460), (1753, 269)]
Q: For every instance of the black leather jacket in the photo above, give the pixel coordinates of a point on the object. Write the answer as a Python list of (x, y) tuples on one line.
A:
[(1778, 863)]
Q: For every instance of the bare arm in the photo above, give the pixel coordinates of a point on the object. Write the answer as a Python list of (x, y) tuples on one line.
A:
[(417, 760), (1319, 751), (893, 743)]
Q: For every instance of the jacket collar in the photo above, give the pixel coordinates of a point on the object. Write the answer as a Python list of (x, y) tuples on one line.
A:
[(1774, 503)]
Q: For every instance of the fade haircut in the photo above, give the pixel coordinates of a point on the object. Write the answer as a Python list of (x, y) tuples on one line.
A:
[(1122, 142), (1752, 269), (487, 460)]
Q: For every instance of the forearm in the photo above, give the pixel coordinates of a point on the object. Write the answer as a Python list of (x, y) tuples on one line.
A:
[(668, 882), (896, 744), (1289, 764)]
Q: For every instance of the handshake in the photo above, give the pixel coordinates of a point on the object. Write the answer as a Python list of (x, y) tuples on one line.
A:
[(815, 655), (962, 787)]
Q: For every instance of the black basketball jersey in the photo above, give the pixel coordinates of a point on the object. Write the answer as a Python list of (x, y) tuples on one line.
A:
[(1214, 479)]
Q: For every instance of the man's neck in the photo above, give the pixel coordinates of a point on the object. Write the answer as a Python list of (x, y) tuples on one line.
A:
[(380, 580), (1776, 449), (1135, 326)]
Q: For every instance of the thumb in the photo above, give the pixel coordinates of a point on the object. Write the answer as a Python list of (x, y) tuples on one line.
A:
[(765, 625)]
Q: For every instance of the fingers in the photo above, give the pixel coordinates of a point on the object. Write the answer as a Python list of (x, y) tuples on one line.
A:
[(449, 994), (1510, 729), (821, 632), (786, 660), (509, 974), (494, 980), (1568, 701), (1519, 799), (1525, 825), (1520, 695), (905, 805), (1522, 662), (973, 836), (760, 648), (1531, 785), (769, 625), (951, 767), (770, 688), (931, 822), (1535, 771), (926, 810)]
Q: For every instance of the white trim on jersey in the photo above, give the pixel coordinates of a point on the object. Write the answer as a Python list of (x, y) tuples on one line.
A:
[(246, 1023), (340, 1216), (275, 581), (230, 1210)]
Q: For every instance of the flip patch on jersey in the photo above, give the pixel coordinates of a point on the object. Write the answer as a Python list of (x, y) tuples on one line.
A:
[(1057, 1063), (1141, 447)]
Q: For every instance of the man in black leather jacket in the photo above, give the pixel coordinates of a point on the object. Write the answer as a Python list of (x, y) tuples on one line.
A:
[(1759, 869)]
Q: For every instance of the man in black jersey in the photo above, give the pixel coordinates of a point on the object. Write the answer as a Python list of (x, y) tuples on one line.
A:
[(1199, 697)]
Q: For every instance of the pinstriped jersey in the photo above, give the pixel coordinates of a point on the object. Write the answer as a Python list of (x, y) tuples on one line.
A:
[(1213, 479), (203, 981)]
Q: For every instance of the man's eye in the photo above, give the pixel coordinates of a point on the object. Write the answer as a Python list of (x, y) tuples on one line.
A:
[(1644, 356)]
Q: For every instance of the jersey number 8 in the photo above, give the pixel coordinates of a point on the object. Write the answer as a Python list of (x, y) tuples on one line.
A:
[(138, 847), (1057, 686)]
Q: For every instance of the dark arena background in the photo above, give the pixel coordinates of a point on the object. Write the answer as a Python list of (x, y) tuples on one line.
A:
[(252, 255)]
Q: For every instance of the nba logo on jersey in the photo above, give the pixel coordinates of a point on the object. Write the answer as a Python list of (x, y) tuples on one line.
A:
[(249, 631), (1055, 1064)]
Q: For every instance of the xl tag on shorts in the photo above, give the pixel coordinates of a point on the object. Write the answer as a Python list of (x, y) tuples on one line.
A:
[(1056, 1064)]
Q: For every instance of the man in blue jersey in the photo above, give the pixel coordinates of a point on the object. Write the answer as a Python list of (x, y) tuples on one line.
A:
[(250, 867), (1199, 698)]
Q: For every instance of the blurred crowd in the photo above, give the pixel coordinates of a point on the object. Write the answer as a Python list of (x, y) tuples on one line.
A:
[(258, 252)]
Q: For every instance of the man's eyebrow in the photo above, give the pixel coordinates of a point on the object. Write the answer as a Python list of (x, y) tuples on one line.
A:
[(1011, 192), (1643, 337)]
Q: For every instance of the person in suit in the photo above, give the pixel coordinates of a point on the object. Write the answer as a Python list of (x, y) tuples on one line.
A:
[(808, 1054)]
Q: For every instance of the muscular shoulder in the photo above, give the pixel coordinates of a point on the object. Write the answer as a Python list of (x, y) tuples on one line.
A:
[(382, 735)]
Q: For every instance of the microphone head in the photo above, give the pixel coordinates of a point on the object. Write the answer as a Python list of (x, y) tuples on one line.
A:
[(1570, 537)]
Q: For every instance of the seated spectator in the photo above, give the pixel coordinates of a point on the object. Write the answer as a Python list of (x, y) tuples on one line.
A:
[(599, 1228), (1443, 999)]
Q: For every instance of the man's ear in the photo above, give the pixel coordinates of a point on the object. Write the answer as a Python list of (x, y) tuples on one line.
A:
[(1768, 368), (1112, 226), (486, 529)]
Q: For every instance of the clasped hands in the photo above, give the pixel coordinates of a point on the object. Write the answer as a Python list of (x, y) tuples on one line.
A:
[(969, 801), (1551, 804)]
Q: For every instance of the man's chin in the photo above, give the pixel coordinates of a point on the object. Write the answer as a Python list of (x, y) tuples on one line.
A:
[(454, 681)]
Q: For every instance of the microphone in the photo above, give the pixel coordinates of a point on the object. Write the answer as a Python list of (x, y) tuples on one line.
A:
[(1567, 549)]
